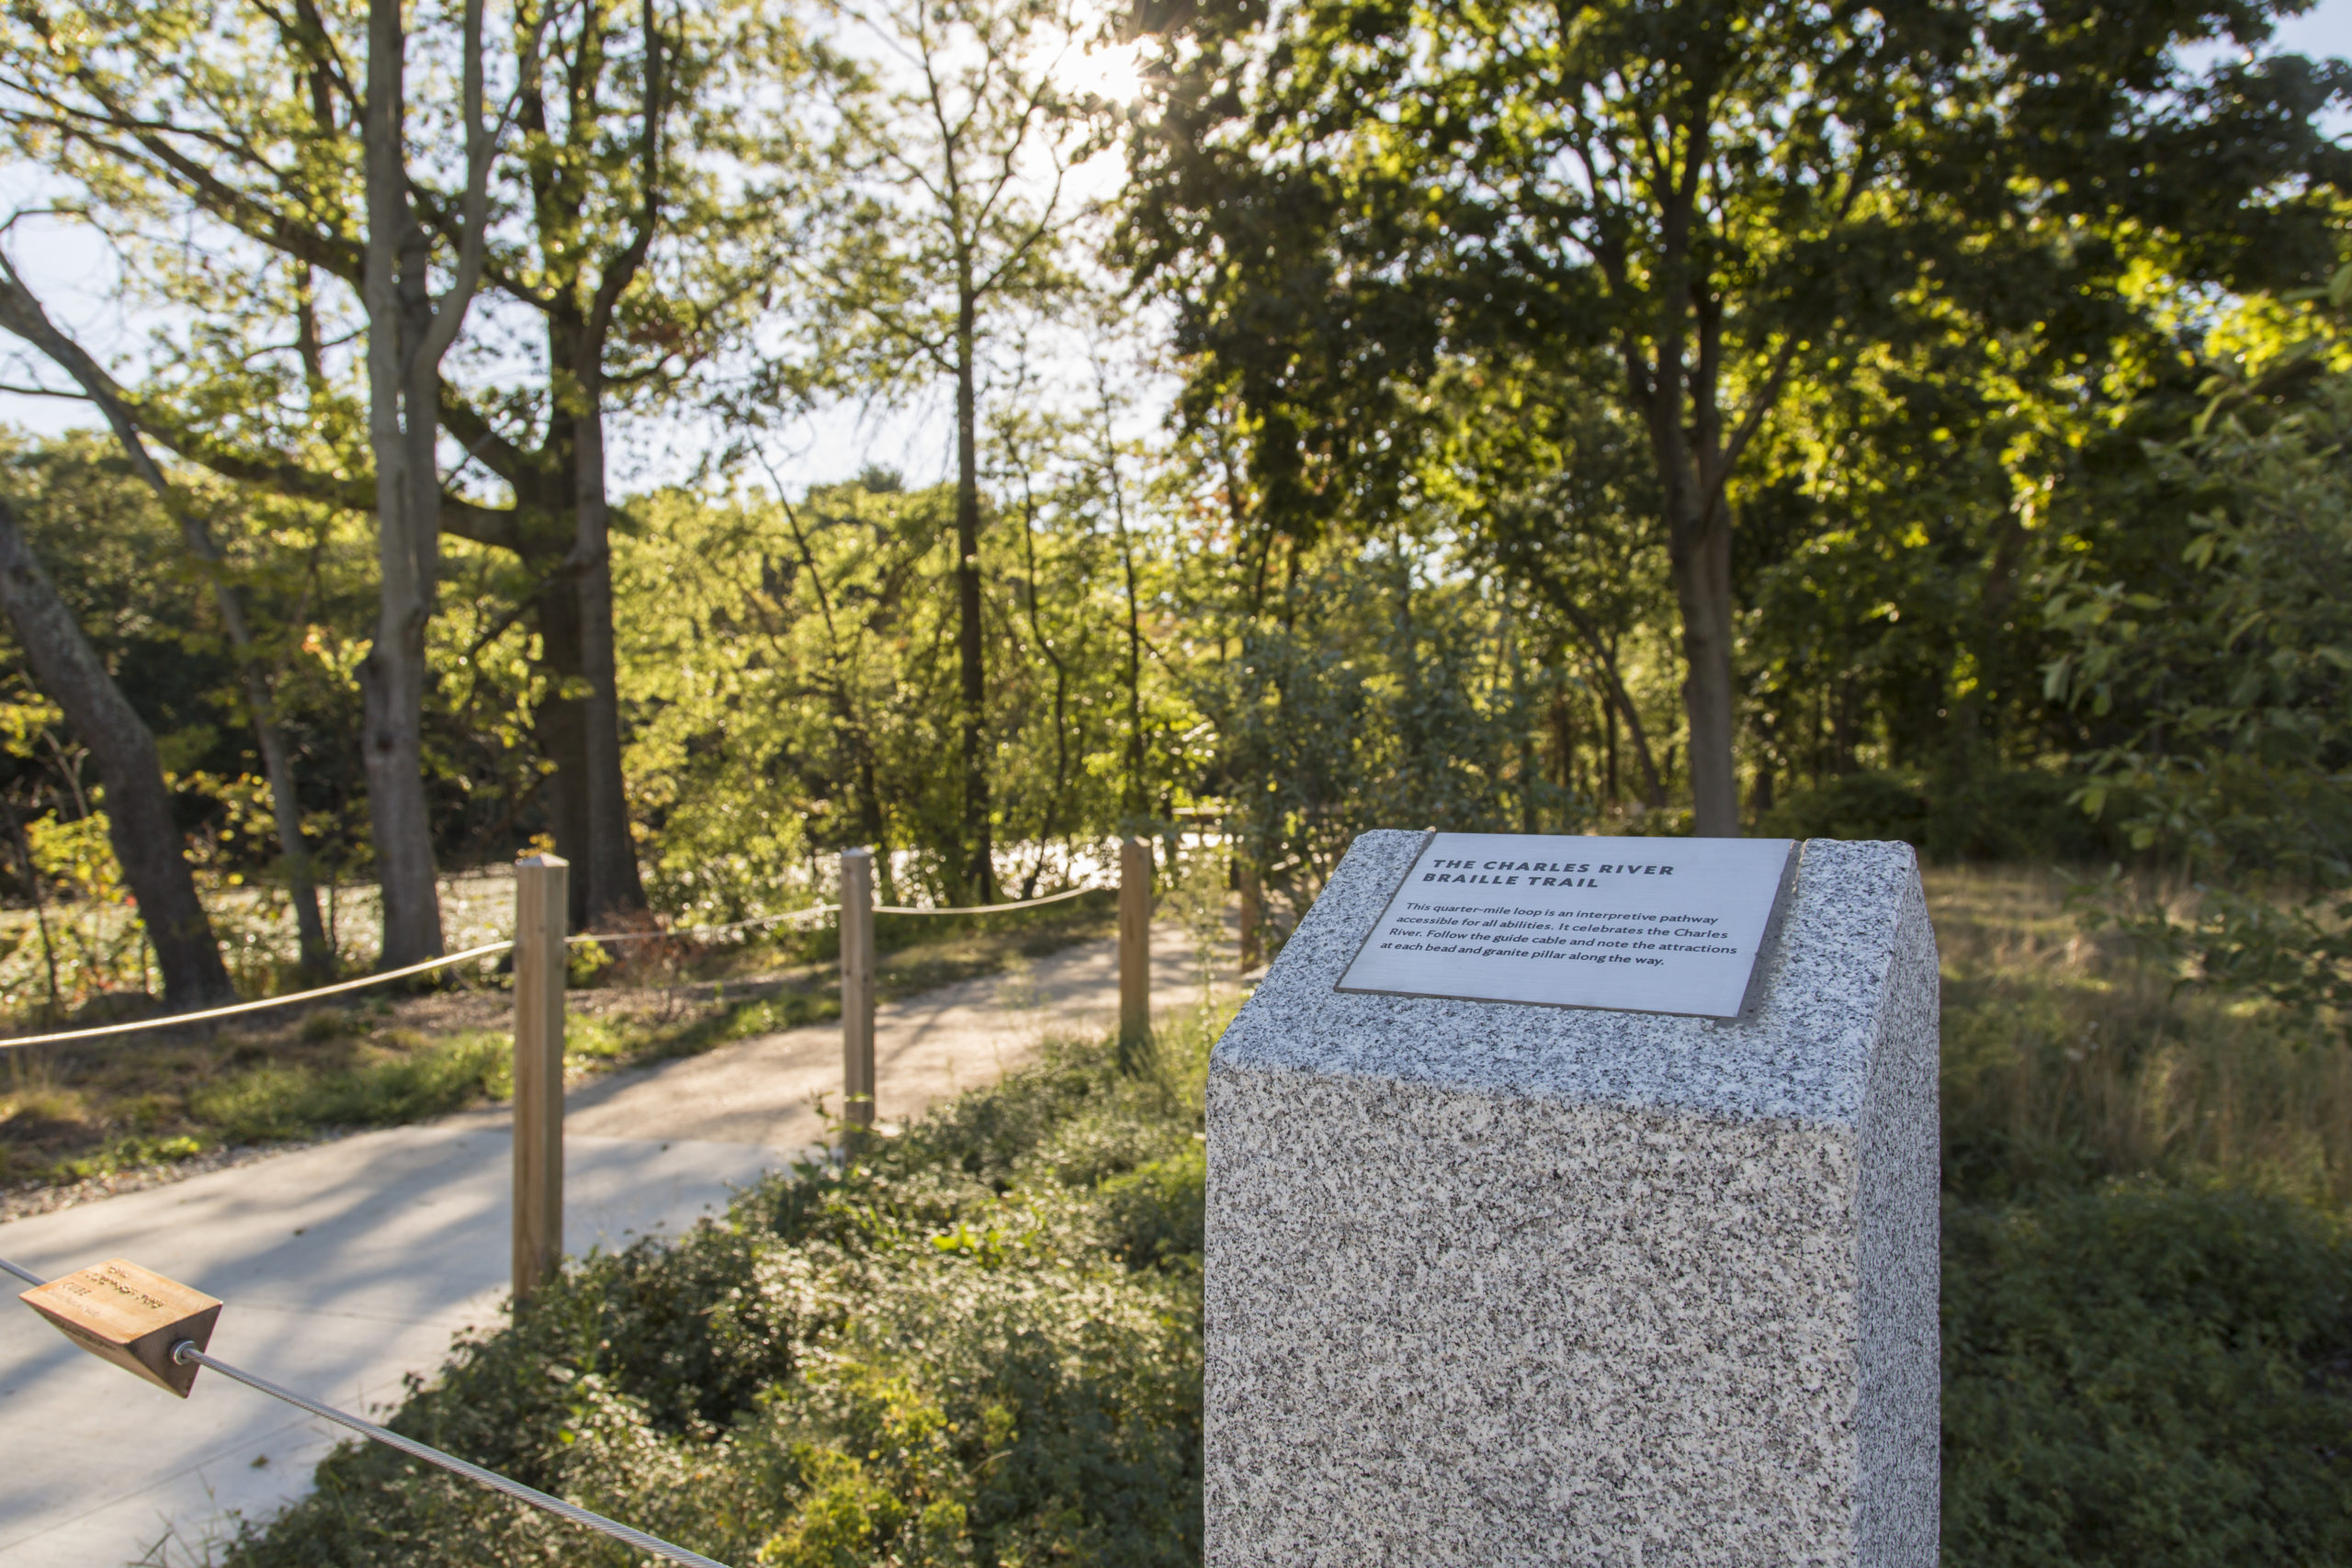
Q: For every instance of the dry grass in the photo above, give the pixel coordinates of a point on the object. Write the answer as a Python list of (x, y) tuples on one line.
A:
[(2067, 1059)]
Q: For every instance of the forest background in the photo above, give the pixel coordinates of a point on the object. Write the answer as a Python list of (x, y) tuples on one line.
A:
[(1906, 421)]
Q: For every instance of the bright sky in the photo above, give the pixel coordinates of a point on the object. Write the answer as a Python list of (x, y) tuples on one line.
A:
[(75, 275), (2325, 28)]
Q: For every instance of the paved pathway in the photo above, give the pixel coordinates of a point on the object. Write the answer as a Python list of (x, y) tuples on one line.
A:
[(347, 1266)]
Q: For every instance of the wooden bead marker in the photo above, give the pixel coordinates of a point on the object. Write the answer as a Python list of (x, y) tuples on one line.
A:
[(131, 1316)]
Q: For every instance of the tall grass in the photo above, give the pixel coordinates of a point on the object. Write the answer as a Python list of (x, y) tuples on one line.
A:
[(2147, 1276), (2068, 1059)]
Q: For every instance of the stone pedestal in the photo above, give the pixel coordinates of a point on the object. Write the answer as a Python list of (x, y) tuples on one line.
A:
[(1491, 1283)]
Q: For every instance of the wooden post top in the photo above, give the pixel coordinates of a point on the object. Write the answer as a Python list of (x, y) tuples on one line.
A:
[(131, 1316)]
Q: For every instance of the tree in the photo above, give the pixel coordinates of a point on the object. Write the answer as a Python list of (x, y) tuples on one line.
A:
[(664, 169), (1560, 497), (962, 228), (2229, 672), (138, 805), (22, 314), (409, 330), (163, 113), (1724, 199)]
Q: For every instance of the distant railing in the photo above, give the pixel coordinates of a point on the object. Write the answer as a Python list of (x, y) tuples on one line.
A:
[(488, 948)]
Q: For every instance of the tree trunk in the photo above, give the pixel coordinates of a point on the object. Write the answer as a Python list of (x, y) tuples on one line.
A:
[(294, 846), (614, 889), (1609, 731), (980, 871), (1564, 770), (1687, 440), (391, 684), (1600, 657), (1843, 744), (559, 732), (1051, 819), (1974, 733), (276, 760), (547, 490), (1522, 730), (392, 677), (23, 314), (1134, 800), (23, 849), (138, 806), (581, 736), (408, 331), (1701, 568)]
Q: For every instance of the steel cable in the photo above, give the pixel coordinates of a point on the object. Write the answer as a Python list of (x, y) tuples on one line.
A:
[(186, 1353)]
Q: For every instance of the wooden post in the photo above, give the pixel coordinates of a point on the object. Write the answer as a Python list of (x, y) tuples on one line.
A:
[(1135, 941), (857, 992), (1253, 915), (541, 900)]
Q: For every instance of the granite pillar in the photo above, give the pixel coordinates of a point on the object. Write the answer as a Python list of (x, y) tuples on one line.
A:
[(1494, 1284)]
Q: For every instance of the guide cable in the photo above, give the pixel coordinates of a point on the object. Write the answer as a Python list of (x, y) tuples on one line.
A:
[(186, 1353)]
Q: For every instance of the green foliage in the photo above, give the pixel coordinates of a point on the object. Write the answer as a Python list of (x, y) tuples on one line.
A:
[(2233, 673), (1999, 814), (1641, 271), (1375, 698), (2142, 1377), (797, 684), (1156, 1212), (127, 1152), (116, 560), (980, 1343)]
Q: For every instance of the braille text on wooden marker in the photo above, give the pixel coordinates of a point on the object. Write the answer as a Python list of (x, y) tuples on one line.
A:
[(131, 1316)]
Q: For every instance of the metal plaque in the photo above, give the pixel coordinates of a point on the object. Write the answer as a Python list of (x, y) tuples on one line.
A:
[(1637, 925)]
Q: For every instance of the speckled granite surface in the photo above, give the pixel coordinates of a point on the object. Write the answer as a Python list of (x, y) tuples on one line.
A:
[(1496, 1284)]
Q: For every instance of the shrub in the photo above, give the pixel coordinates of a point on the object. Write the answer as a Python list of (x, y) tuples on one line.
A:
[(2145, 1377), (980, 1343)]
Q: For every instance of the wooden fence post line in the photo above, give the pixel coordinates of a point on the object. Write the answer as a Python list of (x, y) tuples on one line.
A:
[(1253, 914), (1135, 941), (857, 991), (540, 899)]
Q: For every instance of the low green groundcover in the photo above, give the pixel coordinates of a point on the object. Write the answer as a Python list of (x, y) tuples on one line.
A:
[(2148, 1377), (982, 1346)]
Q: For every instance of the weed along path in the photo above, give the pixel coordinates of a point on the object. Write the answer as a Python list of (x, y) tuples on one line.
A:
[(347, 1266)]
